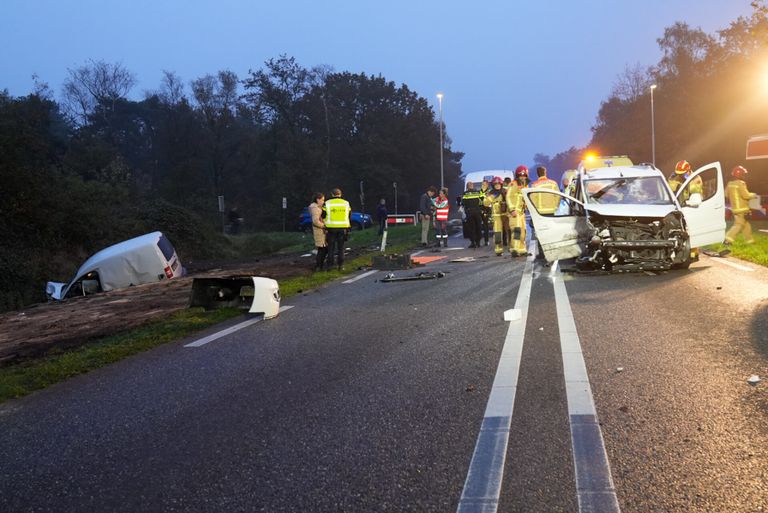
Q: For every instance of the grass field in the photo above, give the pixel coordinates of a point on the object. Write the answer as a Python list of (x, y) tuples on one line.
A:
[(757, 252), (24, 378)]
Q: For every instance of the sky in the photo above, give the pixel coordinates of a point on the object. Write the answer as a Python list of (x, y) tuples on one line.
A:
[(519, 77)]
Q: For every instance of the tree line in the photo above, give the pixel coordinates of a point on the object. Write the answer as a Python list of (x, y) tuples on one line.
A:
[(94, 166), (711, 95)]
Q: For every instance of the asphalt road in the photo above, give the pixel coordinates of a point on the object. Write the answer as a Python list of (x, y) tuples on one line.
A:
[(370, 396)]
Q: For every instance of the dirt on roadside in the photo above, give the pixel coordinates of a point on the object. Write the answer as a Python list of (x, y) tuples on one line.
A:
[(62, 324)]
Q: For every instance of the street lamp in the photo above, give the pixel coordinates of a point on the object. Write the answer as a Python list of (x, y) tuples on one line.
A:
[(440, 103), (653, 130)]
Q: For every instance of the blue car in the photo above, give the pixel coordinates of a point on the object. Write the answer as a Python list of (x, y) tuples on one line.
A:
[(358, 220)]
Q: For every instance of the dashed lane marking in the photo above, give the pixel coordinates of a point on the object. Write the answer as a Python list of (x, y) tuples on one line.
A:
[(735, 266), (360, 276), (482, 487), (594, 484), (230, 330)]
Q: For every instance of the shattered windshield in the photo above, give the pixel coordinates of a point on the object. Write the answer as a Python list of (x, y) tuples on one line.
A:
[(645, 190)]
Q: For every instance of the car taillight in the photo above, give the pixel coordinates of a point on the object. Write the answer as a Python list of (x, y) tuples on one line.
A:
[(168, 272)]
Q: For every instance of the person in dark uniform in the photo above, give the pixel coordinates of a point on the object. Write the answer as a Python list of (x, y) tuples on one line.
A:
[(472, 201)]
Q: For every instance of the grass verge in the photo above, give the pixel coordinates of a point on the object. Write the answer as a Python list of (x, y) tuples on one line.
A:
[(18, 380), (756, 253)]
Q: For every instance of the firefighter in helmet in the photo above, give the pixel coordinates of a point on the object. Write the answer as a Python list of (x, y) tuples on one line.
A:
[(677, 179), (516, 212), (738, 197), (494, 200)]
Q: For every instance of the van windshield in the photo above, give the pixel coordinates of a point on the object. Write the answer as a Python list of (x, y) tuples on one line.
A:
[(645, 190), (166, 248)]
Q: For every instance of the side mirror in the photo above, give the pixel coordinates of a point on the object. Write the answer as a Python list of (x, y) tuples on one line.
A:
[(694, 201)]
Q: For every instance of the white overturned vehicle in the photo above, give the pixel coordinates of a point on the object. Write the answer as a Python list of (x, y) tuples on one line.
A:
[(626, 218)]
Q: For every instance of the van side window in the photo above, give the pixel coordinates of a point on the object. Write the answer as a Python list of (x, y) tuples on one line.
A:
[(166, 247)]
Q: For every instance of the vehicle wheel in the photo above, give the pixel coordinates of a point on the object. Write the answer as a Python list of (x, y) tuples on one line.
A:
[(683, 266)]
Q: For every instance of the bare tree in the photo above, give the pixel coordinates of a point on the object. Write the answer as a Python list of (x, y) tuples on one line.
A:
[(95, 84), (632, 83), (171, 88)]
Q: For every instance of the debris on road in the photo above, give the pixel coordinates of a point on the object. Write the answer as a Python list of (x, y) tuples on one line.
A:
[(252, 293), (619, 369), (719, 288), (754, 379), (541, 329), (514, 314), (390, 277), (717, 254), (392, 262), (470, 388), (422, 260), (463, 260)]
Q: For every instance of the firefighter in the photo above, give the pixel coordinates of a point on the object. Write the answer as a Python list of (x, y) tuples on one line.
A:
[(485, 188), (337, 212), (521, 177), (677, 179), (516, 211), (472, 201), (546, 204), (494, 200), (506, 234), (739, 196)]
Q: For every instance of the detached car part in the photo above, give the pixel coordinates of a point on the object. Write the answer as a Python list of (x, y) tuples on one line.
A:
[(252, 293)]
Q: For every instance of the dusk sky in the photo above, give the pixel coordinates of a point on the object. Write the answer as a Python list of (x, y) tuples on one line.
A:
[(519, 77)]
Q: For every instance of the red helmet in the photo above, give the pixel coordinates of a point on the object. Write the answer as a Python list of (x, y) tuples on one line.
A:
[(497, 180), (682, 167), (521, 171), (739, 172)]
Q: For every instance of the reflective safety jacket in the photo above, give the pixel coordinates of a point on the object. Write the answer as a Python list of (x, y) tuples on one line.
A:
[(494, 200), (739, 196), (545, 203), (696, 186), (441, 209), (515, 199), (337, 212), (472, 201)]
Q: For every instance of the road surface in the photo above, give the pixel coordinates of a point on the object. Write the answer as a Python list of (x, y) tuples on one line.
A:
[(624, 392)]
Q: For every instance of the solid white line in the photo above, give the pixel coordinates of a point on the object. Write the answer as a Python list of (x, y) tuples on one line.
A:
[(764, 231), (482, 487), (360, 276), (230, 330), (594, 485), (418, 253), (736, 266)]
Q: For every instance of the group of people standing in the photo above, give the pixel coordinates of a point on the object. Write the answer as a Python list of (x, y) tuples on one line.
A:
[(330, 228), (434, 208)]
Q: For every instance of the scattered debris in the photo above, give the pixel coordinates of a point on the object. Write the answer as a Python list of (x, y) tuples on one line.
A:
[(624, 409), (514, 314), (541, 329), (390, 277), (717, 254), (392, 262), (649, 273), (470, 388), (619, 369), (463, 260), (422, 260), (719, 288), (754, 379), (306, 255)]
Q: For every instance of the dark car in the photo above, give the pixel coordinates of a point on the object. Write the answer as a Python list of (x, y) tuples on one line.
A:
[(358, 221)]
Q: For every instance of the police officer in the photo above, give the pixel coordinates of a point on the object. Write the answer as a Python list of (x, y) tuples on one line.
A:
[(337, 212), (472, 201)]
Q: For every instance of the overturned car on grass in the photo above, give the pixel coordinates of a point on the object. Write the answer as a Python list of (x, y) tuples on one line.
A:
[(627, 218)]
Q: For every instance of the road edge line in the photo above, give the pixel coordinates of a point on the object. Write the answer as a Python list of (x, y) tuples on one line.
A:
[(228, 331)]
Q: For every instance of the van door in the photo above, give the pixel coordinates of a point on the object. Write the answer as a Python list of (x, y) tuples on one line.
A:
[(702, 201), (563, 234)]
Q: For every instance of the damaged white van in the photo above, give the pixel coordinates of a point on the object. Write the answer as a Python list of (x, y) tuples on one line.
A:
[(144, 259), (625, 218)]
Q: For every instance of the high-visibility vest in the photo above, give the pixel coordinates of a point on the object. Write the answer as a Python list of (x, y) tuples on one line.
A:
[(472, 200), (441, 209), (515, 199), (739, 196), (337, 212), (545, 203)]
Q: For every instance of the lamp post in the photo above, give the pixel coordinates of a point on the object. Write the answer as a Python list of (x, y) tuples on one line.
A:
[(653, 130), (440, 103)]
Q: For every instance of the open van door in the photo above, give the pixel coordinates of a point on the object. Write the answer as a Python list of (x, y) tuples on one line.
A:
[(563, 234), (702, 201)]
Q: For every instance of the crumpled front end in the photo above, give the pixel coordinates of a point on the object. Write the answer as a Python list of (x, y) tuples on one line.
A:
[(636, 244)]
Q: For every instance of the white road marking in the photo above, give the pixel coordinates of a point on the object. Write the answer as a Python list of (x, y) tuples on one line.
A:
[(764, 231), (360, 276), (230, 330), (594, 485), (418, 253), (486, 470), (735, 266)]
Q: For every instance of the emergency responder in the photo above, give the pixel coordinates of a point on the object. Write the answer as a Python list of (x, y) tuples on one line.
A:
[(546, 204), (677, 179), (506, 233), (337, 212), (516, 212), (521, 177), (485, 188), (739, 196), (472, 201), (494, 200)]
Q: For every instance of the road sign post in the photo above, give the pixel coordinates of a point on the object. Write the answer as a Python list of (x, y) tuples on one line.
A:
[(285, 205)]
